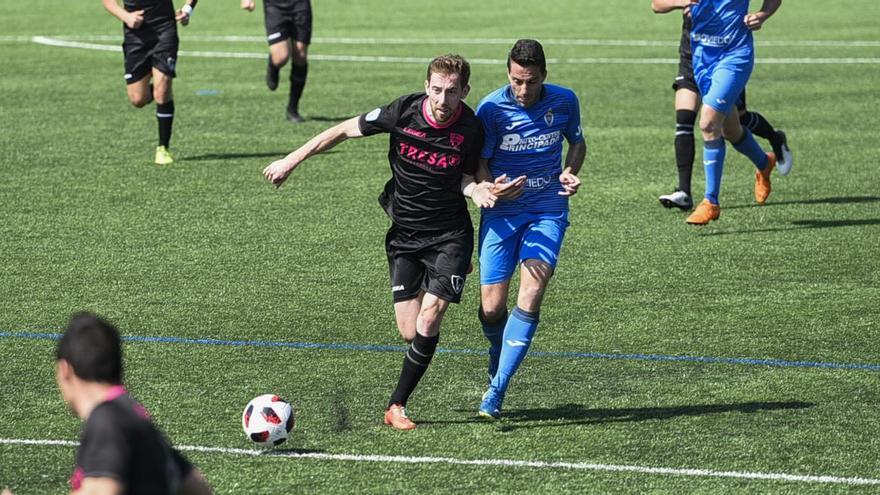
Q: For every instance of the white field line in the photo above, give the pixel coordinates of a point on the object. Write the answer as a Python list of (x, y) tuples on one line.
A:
[(460, 41), (581, 466), (43, 40)]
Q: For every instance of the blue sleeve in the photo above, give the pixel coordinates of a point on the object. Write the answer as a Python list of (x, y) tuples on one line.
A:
[(573, 132), (486, 113)]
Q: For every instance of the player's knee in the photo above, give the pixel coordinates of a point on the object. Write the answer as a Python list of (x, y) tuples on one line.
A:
[(710, 129), (279, 58), (491, 314), (139, 100)]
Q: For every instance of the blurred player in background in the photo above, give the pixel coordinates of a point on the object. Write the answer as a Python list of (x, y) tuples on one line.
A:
[(687, 104), (120, 449), (723, 58), (150, 49), (289, 32)]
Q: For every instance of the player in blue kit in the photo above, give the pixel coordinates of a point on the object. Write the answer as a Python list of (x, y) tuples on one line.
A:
[(525, 123), (723, 57)]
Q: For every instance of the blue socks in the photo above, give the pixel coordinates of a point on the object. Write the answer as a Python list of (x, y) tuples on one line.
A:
[(494, 333), (713, 164), (518, 333), (749, 147)]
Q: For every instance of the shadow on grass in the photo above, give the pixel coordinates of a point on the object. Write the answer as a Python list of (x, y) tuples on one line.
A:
[(325, 118), (576, 414), (229, 156), (234, 155), (818, 201), (291, 452), (570, 414), (805, 224)]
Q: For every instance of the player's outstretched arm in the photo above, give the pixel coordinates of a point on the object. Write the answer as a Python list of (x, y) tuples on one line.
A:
[(278, 171), (131, 19), (756, 20), (664, 6), (574, 159)]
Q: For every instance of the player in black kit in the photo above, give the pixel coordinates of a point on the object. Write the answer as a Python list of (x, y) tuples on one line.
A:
[(289, 32), (120, 449), (150, 49), (687, 104), (434, 148)]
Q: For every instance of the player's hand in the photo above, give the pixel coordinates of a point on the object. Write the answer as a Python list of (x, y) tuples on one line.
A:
[(134, 19), (508, 189), (247, 5), (570, 183), (482, 195), (6, 492), (278, 171), (182, 17), (756, 20)]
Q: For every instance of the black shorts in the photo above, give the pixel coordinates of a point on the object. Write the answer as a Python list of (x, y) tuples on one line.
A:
[(685, 80), (151, 45), (288, 19), (429, 261)]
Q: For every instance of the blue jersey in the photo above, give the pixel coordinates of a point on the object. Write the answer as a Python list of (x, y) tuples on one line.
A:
[(528, 141), (718, 27)]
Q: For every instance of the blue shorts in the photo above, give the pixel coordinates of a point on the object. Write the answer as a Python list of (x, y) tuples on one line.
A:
[(722, 81), (506, 241)]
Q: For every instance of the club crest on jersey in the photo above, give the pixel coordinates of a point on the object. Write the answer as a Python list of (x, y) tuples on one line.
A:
[(455, 139), (548, 117), (457, 283)]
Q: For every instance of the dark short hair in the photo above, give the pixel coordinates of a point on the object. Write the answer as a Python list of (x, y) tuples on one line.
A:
[(528, 53), (93, 348), (450, 64)]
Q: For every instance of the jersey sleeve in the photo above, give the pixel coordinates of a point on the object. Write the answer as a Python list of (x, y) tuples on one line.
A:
[(382, 119), (105, 451), (182, 463), (486, 114), (573, 132)]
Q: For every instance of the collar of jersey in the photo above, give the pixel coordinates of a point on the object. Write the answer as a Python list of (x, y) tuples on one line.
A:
[(426, 113)]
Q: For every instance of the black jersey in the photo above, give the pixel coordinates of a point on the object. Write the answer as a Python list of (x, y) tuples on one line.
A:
[(154, 10), (427, 162), (119, 441), (684, 46)]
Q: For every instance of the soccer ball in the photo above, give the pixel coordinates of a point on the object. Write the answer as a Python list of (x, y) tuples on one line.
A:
[(267, 420)]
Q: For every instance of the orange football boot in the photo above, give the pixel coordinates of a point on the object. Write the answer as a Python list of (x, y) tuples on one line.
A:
[(704, 213), (762, 179), (396, 417)]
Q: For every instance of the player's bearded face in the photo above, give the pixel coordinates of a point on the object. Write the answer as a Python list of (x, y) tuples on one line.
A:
[(526, 83), (444, 95)]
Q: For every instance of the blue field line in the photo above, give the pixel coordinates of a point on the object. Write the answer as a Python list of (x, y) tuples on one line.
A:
[(394, 348)]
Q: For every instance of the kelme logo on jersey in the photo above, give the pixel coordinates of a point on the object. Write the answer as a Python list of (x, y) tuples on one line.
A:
[(455, 139), (515, 142), (548, 117)]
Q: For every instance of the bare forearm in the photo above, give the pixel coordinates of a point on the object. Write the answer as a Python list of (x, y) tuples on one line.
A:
[(574, 159), (483, 171), (326, 140), (664, 6)]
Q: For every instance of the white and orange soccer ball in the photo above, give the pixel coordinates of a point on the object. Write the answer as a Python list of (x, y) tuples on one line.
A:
[(267, 420)]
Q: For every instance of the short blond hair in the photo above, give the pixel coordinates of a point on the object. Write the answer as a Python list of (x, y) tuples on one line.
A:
[(450, 64)]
